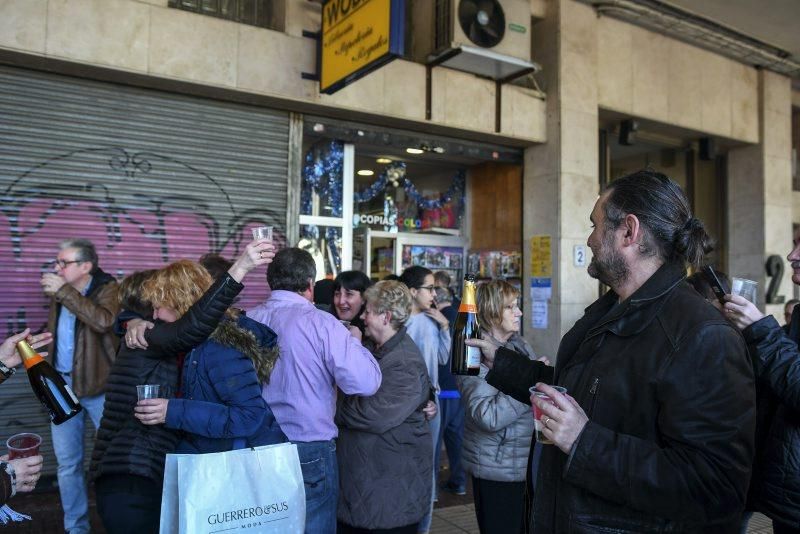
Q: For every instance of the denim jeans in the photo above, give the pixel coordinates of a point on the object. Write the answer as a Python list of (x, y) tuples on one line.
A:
[(68, 447), (321, 480), (425, 522), (452, 434)]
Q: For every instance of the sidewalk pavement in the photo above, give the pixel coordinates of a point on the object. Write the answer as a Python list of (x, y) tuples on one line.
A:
[(460, 519), (453, 514)]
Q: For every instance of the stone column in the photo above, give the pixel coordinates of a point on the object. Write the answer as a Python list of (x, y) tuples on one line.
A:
[(560, 184), (760, 192)]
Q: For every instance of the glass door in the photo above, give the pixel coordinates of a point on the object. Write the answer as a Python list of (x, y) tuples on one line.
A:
[(326, 206)]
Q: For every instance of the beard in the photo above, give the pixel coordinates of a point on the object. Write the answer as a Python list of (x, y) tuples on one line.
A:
[(607, 264)]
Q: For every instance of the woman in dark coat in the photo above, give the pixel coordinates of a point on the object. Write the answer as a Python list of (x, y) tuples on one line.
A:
[(385, 448), (128, 459), (219, 406)]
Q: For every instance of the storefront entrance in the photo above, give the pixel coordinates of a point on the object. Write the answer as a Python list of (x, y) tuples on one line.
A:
[(380, 200)]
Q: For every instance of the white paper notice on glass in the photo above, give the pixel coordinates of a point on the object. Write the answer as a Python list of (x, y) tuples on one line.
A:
[(541, 288), (539, 314)]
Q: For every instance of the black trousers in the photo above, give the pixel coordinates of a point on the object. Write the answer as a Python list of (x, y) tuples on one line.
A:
[(342, 528), (128, 504), (499, 506)]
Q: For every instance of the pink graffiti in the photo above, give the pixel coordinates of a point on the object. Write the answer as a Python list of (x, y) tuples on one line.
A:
[(126, 241)]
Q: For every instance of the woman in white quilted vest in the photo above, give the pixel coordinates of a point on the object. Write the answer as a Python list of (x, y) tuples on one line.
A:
[(498, 429)]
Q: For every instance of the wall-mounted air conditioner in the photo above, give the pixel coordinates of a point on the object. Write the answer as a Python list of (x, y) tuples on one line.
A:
[(490, 38)]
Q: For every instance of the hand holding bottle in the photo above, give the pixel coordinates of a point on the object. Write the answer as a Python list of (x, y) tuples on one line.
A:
[(488, 350), (48, 385), (10, 356)]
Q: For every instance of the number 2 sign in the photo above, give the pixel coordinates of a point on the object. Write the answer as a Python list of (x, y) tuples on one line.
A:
[(579, 255)]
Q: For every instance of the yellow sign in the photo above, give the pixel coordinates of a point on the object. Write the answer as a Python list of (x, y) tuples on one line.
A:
[(357, 36), (541, 257)]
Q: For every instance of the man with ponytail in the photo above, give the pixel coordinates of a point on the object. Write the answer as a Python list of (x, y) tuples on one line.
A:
[(656, 433)]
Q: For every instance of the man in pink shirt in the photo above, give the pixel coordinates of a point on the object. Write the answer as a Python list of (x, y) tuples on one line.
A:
[(318, 354)]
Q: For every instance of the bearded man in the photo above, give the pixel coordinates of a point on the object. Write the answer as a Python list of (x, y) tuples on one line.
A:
[(656, 433)]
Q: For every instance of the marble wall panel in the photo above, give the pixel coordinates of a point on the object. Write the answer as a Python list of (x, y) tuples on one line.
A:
[(23, 25), (650, 74), (716, 93), (614, 65), (104, 32), (193, 47), (579, 143), (271, 62), (744, 103), (685, 82)]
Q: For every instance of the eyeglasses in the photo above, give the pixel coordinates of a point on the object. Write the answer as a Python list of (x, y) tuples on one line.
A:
[(63, 264), (429, 288)]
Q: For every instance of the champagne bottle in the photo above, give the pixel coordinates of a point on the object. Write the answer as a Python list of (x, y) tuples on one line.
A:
[(466, 360), (53, 392)]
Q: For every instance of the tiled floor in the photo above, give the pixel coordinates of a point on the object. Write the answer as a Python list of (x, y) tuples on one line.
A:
[(461, 518)]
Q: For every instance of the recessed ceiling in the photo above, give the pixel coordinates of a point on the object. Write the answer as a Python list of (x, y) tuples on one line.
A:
[(775, 22)]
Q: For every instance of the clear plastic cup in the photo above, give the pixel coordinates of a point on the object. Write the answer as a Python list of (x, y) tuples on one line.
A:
[(745, 288), (148, 391), (262, 232), (23, 445), (537, 413)]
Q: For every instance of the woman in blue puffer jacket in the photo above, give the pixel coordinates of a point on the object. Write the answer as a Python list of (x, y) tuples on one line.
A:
[(219, 405)]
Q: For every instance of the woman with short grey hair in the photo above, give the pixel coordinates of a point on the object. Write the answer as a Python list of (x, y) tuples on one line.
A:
[(385, 449)]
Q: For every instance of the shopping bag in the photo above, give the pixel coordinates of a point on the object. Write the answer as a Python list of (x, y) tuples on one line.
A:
[(249, 490)]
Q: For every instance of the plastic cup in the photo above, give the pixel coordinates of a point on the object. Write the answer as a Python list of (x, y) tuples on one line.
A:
[(537, 413), (147, 391), (745, 288), (23, 445), (262, 232)]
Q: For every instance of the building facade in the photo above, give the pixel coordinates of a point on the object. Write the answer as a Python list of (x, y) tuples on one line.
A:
[(168, 128)]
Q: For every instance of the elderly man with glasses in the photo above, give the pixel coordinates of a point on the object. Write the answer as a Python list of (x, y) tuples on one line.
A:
[(82, 314)]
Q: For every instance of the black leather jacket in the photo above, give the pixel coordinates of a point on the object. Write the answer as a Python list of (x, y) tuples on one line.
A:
[(668, 388), (776, 478)]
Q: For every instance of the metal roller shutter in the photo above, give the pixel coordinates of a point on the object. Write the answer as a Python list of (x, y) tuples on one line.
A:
[(149, 177)]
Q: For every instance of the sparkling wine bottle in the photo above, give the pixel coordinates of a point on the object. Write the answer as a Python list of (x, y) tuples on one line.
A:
[(53, 392), (466, 360)]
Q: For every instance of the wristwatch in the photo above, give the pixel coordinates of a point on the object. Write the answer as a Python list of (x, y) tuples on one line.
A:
[(5, 372)]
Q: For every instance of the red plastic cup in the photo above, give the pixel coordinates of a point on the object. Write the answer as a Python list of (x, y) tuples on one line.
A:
[(537, 413), (23, 445)]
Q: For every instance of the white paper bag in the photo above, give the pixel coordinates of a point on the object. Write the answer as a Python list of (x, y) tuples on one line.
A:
[(249, 490)]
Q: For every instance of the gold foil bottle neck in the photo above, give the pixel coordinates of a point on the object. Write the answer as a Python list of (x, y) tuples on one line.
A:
[(25, 350)]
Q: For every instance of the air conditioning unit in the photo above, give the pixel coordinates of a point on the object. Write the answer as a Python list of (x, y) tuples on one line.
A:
[(490, 38)]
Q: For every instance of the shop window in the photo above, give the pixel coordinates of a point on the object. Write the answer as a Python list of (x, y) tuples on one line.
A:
[(325, 245), (394, 200), (261, 13), (326, 206)]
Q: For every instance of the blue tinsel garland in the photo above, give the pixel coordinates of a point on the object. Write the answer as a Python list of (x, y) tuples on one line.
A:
[(322, 174), (397, 172)]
